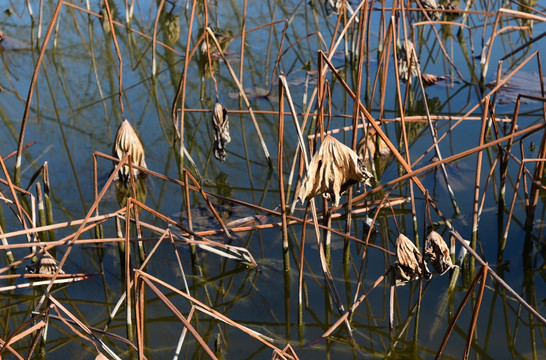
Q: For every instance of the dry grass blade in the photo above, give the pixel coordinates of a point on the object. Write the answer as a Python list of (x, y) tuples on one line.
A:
[(410, 264), (62, 279), (220, 126), (127, 142), (333, 169), (437, 253)]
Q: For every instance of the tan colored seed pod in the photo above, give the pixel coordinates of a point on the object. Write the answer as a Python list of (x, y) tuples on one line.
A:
[(437, 253), (333, 169), (409, 264), (220, 125), (127, 142), (46, 265)]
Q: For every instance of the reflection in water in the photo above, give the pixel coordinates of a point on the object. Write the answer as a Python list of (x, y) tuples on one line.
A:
[(124, 190), (77, 95), (209, 50)]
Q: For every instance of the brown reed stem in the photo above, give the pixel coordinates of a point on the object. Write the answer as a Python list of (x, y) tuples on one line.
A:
[(280, 172), (451, 326), (154, 37), (475, 312)]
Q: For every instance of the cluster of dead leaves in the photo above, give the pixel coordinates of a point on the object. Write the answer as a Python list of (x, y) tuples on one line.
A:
[(411, 265)]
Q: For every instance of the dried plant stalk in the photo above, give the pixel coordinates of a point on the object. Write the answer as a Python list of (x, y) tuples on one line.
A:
[(437, 253), (410, 264), (333, 169), (220, 125), (127, 142)]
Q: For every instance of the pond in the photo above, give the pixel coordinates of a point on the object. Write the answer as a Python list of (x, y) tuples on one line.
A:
[(466, 124)]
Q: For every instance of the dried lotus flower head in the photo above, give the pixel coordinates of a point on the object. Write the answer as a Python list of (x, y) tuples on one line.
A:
[(406, 54), (127, 142), (432, 5), (437, 253), (220, 125), (45, 265), (333, 169), (410, 264), (332, 6)]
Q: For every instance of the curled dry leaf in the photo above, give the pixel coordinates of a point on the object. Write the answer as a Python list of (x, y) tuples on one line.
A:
[(437, 253), (333, 169), (410, 264), (127, 142), (46, 265), (406, 52), (220, 125)]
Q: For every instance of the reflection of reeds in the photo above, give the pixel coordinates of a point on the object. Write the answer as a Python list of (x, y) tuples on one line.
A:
[(215, 291)]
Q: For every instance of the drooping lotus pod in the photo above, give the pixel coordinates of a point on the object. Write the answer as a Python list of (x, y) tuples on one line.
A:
[(45, 265), (406, 54), (220, 125), (432, 5), (409, 264), (333, 169), (127, 142), (437, 253)]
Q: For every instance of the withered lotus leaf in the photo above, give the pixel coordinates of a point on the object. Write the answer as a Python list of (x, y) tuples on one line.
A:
[(437, 253), (409, 264), (220, 125), (333, 169), (127, 142)]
